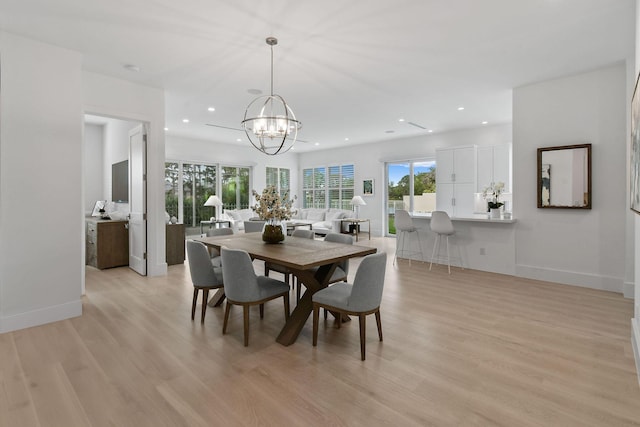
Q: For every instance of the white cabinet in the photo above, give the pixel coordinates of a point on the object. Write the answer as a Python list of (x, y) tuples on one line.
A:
[(494, 165), (456, 180)]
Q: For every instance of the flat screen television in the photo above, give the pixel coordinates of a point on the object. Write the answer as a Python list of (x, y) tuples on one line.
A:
[(120, 182)]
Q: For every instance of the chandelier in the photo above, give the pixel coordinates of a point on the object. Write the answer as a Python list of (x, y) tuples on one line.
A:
[(269, 122)]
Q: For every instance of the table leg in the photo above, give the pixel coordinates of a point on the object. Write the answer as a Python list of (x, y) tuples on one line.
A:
[(298, 318), (217, 298)]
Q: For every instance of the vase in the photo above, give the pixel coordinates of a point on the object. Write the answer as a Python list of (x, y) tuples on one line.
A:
[(272, 233), (495, 213)]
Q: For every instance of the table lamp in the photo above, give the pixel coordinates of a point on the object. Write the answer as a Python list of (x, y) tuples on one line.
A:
[(357, 202), (213, 201)]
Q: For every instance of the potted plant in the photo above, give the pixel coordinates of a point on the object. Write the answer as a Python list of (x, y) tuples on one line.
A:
[(492, 195), (273, 209)]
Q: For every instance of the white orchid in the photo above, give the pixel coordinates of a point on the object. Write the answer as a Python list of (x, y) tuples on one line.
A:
[(492, 194)]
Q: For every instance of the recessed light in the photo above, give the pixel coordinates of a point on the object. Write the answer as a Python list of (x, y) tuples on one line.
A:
[(211, 109), (316, 144), (430, 131), (346, 139), (485, 122), (460, 108), (401, 120), (166, 129), (238, 140), (185, 120), (389, 131)]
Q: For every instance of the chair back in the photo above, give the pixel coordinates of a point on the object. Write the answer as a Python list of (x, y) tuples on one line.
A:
[(240, 280), (200, 267), (441, 223), (219, 231), (366, 293), (306, 234), (403, 220), (347, 239), (253, 226)]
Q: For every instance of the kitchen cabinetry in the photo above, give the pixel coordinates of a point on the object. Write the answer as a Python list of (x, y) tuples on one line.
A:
[(456, 180), (107, 243), (494, 165)]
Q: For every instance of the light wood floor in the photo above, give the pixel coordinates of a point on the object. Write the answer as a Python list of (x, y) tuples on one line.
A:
[(470, 349)]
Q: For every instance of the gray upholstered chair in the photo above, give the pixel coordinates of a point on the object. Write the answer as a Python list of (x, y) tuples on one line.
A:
[(215, 254), (269, 266), (405, 228), (204, 275), (253, 226), (360, 299), (342, 270), (243, 287)]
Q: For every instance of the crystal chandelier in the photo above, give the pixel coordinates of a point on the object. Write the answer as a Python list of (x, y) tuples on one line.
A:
[(269, 122)]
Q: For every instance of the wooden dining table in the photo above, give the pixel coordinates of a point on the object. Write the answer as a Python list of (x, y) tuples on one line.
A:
[(300, 255)]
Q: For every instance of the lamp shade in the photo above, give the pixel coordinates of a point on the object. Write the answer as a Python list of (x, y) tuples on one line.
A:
[(213, 201), (357, 201)]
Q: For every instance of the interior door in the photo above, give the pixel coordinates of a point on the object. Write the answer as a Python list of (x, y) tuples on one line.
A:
[(138, 200)]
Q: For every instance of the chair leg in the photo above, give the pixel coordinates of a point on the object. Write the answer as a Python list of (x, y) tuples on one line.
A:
[(363, 329), (286, 278), (193, 304), (379, 323), (286, 307), (448, 257), (262, 311), (298, 291), (245, 313), (205, 297), (420, 245), (316, 315), (436, 244), (227, 309), (397, 241)]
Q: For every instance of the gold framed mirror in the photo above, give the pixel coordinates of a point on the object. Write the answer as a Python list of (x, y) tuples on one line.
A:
[(564, 177)]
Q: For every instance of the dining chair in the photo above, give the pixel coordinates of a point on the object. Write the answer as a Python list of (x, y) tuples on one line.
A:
[(243, 287), (204, 275), (253, 226), (405, 228), (360, 299), (441, 225), (215, 254), (270, 266)]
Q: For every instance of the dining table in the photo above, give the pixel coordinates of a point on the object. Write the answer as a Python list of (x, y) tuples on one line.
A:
[(311, 261)]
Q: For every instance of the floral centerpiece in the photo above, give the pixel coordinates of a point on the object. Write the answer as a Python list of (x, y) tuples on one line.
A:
[(272, 208), (492, 195)]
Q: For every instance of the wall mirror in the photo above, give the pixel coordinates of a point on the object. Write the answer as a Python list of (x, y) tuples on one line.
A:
[(564, 177)]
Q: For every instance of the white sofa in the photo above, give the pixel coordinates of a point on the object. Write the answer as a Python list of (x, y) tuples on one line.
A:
[(323, 221), (237, 217)]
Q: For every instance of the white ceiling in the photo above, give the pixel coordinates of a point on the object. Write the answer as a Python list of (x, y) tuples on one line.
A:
[(349, 69)]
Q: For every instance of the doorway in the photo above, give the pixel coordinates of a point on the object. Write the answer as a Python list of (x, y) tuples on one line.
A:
[(107, 144)]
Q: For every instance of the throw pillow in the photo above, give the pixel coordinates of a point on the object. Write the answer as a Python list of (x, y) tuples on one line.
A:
[(316, 215)]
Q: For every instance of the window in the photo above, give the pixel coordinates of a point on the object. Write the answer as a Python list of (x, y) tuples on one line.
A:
[(411, 186), (235, 187), (281, 179), (189, 185), (198, 183), (331, 186)]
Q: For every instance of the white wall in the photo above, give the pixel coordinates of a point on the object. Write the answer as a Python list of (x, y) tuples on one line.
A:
[(186, 149), (635, 228), (41, 210), (582, 247), (107, 96), (93, 166)]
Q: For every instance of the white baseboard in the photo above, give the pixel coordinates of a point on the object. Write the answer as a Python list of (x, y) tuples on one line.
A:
[(628, 290), (635, 343), (41, 316), (604, 283)]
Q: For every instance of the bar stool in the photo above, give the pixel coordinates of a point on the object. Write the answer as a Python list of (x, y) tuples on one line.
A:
[(404, 228), (441, 225)]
